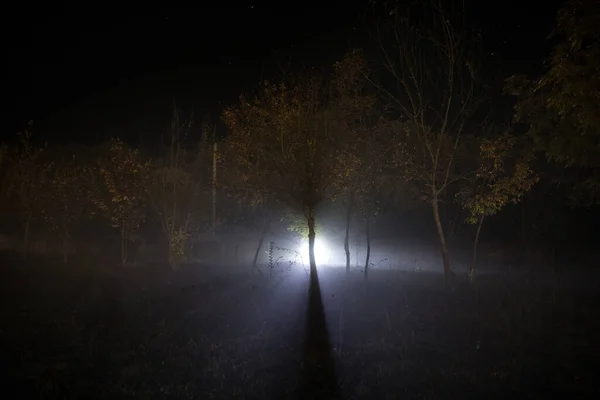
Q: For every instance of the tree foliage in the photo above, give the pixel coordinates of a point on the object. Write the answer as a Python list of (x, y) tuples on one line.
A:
[(3, 169), (3, 151), (247, 204), (285, 141), (502, 177), (172, 192), (560, 107), (179, 193), (66, 199), (296, 223), (281, 139), (26, 173), (123, 194), (362, 147)]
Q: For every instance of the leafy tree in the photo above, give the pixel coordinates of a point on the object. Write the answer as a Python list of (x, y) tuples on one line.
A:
[(27, 171), (296, 223), (503, 177), (123, 197), (285, 138), (66, 199), (560, 107)]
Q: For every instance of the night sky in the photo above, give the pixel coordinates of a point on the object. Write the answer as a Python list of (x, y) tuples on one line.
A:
[(87, 74)]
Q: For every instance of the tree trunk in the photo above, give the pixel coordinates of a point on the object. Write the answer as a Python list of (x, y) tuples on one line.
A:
[(442, 238), (260, 245), (26, 237), (347, 237), (123, 247), (173, 256), (66, 248), (474, 261), (173, 260), (368, 257), (311, 242), (237, 250), (526, 235)]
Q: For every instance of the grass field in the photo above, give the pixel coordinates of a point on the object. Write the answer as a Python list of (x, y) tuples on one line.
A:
[(228, 333)]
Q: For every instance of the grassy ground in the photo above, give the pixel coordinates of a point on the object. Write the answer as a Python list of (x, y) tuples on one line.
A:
[(208, 333)]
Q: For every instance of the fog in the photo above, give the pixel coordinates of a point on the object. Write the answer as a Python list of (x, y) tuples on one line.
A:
[(392, 216), (221, 326)]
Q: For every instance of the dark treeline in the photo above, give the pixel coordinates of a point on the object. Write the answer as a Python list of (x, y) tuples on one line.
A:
[(411, 122)]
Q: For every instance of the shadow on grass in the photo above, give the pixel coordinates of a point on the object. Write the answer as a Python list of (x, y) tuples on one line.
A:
[(318, 379)]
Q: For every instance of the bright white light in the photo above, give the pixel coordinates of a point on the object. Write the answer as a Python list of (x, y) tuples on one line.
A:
[(322, 252)]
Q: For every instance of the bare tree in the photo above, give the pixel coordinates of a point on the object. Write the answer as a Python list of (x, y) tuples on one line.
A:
[(176, 192), (430, 81)]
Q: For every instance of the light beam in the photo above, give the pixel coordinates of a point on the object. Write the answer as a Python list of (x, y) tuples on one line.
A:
[(322, 252)]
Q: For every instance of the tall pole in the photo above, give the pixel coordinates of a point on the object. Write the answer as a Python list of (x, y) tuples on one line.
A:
[(214, 183)]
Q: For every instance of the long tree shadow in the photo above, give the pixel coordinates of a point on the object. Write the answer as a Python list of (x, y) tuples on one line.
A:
[(318, 378)]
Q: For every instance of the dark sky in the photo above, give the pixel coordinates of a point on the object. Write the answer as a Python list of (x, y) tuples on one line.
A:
[(95, 72)]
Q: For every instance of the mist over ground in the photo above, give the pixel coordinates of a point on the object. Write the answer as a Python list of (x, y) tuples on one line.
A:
[(229, 330)]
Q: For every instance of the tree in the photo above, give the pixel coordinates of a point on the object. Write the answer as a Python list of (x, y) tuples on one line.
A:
[(560, 107), (364, 180), (250, 206), (27, 171), (361, 154), (123, 197), (284, 139), (66, 199), (375, 188), (4, 168), (3, 150), (258, 216), (430, 79), (348, 184), (177, 194), (503, 177), (260, 219)]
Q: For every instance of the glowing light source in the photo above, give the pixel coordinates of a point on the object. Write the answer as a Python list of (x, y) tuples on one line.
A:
[(322, 252)]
